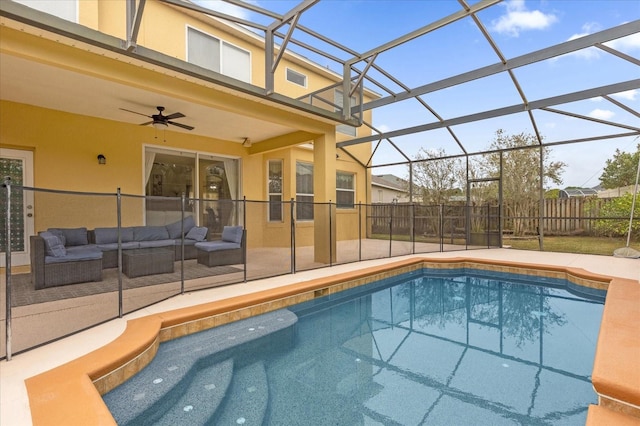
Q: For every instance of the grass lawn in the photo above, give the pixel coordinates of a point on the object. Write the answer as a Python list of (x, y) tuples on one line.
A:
[(585, 245), (565, 244)]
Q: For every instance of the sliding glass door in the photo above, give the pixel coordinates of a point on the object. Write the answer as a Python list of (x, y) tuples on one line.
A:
[(210, 183)]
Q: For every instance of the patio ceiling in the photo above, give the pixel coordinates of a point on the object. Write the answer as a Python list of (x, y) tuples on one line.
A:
[(521, 78)]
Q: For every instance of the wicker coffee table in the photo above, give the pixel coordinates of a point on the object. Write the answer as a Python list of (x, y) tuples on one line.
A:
[(147, 261)]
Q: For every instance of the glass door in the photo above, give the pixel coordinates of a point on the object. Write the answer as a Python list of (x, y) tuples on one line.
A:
[(218, 185), (18, 165)]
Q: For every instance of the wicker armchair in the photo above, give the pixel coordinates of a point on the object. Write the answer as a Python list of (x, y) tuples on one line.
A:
[(45, 275)]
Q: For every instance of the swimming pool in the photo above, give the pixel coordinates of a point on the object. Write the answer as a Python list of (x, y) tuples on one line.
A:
[(452, 347)]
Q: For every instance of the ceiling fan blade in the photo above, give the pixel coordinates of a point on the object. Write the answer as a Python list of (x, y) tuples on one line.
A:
[(139, 113), (146, 124), (184, 126), (174, 115)]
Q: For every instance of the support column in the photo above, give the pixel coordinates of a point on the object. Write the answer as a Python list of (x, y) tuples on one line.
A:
[(324, 190)]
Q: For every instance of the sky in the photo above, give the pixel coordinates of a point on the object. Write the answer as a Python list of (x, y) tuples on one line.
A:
[(517, 27)]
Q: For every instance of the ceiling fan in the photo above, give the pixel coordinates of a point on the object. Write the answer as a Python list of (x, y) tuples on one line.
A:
[(161, 122)]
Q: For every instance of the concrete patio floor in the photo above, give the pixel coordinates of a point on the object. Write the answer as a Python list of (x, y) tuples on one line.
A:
[(13, 395)]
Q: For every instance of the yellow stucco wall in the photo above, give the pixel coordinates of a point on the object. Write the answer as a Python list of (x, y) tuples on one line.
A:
[(65, 146)]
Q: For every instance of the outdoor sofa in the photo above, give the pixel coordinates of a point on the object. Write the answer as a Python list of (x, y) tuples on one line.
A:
[(134, 237), (62, 256)]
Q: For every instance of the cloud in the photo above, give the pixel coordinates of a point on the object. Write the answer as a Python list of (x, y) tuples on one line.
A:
[(518, 19), (223, 7), (629, 95), (590, 52), (383, 128), (625, 44), (601, 114)]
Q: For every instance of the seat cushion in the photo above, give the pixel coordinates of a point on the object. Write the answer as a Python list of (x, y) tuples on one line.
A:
[(76, 254), (73, 236), (110, 235), (210, 246), (150, 233), (157, 243), (114, 246)]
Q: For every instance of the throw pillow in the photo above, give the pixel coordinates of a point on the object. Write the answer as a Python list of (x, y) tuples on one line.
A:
[(174, 228), (198, 233), (53, 245), (58, 233), (232, 234)]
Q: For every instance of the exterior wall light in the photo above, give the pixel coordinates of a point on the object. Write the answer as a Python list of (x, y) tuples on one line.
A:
[(102, 159)]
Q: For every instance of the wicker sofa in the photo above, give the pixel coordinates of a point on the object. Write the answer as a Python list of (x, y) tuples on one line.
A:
[(61, 256), (134, 237)]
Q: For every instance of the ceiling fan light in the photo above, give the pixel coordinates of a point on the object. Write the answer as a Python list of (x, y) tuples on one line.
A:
[(159, 125)]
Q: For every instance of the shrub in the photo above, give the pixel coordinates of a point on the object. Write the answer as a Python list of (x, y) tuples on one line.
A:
[(619, 208)]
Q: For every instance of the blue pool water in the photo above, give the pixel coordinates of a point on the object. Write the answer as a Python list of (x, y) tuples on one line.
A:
[(457, 347)]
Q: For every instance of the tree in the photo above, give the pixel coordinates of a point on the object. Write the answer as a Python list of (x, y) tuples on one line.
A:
[(436, 180), (521, 175), (620, 170)]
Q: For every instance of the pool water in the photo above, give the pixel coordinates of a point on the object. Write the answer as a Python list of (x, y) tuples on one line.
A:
[(456, 347)]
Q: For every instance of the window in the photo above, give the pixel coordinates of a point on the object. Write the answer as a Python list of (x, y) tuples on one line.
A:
[(217, 55), (343, 128), (345, 190), (275, 191), (65, 9), (304, 191), (296, 78)]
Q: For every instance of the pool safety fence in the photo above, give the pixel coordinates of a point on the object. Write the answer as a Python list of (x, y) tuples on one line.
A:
[(73, 260)]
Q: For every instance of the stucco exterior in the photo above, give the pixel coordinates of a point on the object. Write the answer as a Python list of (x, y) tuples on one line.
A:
[(65, 145)]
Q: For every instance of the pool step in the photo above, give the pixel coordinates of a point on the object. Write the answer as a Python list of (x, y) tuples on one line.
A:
[(247, 399), (148, 405), (144, 398), (201, 399)]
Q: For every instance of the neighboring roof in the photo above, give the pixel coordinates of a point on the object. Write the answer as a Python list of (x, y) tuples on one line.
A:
[(390, 181)]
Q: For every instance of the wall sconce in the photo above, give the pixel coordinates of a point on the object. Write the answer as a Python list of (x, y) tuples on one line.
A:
[(102, 159)]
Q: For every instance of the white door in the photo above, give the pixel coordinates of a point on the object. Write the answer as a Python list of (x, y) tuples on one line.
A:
[(18, 165)]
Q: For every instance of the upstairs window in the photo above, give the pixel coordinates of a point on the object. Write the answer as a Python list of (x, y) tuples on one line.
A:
[(217, 55), (296, 78), (304, 191), (65, 9)]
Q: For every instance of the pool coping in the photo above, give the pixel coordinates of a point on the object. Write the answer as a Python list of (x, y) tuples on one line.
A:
[(71, 393)]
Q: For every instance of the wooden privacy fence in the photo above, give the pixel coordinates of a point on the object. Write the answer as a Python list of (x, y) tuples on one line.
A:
[(572, 215), (560, 216)]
